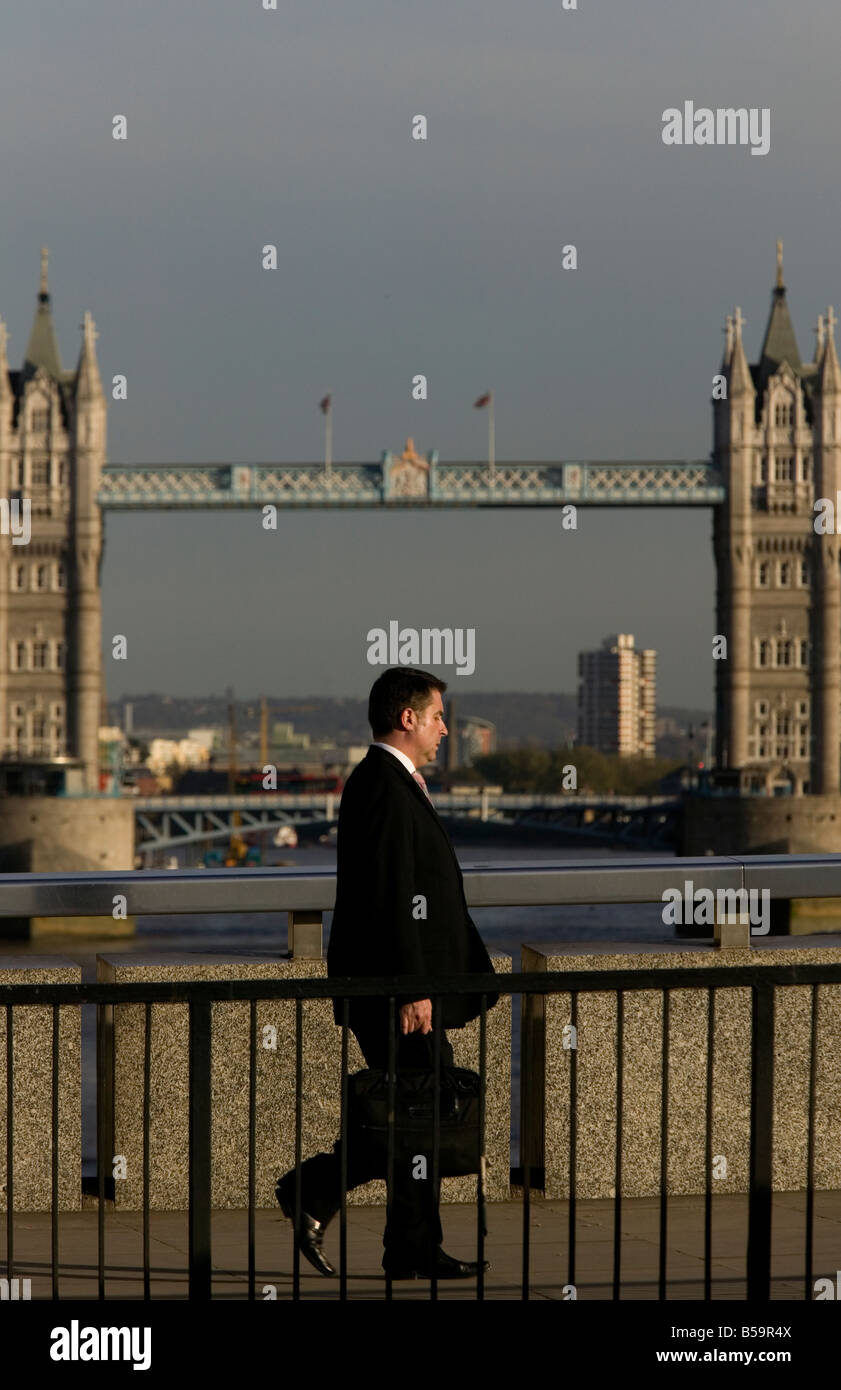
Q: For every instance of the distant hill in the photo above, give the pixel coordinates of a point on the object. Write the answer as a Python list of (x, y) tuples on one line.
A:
[(522, 720)]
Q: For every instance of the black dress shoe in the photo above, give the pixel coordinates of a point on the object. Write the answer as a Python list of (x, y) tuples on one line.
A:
[(445, 1268), (309, 1237)]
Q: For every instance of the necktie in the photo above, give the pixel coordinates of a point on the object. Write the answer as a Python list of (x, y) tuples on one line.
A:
[(421, 783)]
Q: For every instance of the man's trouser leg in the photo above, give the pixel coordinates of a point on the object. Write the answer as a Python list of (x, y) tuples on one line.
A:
[(321, 1179), (413, 1232)]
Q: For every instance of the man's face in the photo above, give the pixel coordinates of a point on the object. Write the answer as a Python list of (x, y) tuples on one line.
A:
[(427, 730)]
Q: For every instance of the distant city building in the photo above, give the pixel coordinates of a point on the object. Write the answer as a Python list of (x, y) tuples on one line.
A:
[(209, 738), (474, 738), (350, 755), (668, 726), (110, 733), (113, 756), (617, 696), (286, 756), (284, 736), (186, 752), (317, 755)]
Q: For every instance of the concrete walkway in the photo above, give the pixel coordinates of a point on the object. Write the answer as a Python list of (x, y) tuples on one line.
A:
[(503, 1247), (548, 1261)]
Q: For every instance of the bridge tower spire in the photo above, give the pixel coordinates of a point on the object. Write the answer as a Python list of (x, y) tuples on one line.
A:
[(85, 682), (42, 348), (733, 545), (6, 393), (826, 570)]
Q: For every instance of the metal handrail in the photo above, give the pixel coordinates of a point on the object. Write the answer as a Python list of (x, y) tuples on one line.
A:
[(610, 880), (422, 986)]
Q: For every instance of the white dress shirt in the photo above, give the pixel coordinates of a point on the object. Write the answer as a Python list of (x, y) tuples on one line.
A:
[(407, 762)]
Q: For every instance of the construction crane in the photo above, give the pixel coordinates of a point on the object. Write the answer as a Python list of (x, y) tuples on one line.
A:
[(236, 847), (264, 731)]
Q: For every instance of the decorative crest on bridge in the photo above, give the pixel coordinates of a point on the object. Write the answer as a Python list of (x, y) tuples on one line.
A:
[(406, 476)]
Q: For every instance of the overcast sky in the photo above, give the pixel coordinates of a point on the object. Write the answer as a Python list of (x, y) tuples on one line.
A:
[(248, 127)]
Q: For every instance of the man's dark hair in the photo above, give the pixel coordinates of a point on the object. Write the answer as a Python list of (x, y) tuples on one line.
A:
[(399, 688)]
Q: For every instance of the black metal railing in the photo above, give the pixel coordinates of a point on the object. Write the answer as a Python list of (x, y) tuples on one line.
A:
[(762, 980)]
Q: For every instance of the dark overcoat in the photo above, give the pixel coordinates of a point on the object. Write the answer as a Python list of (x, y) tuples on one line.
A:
[(400, 904)]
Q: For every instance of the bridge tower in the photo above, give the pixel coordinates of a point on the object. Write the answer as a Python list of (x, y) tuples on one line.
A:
[(777, 442), (52, 451)]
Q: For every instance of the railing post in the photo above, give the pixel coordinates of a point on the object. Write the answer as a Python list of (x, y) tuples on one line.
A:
[(199, 1150), (761, 1135), (730, 934), (305, 934)]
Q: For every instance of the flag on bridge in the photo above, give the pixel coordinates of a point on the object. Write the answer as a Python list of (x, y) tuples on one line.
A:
[(324, 405), (488, 400)]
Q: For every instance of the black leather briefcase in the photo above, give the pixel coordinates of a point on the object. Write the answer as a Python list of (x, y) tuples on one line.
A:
[(459, 1151)]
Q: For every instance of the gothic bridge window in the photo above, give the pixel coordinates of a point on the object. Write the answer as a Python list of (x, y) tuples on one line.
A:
[(40, 471), (784, 469)]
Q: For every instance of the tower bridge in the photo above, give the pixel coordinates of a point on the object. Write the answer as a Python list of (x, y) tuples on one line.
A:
[(644, 483), (776, 448)]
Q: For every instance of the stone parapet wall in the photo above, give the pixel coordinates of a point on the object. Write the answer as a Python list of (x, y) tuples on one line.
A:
[(275, 1084), (546, 1117), (32, 1076)]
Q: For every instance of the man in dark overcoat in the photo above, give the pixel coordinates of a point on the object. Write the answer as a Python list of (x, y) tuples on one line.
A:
[(400, 910)]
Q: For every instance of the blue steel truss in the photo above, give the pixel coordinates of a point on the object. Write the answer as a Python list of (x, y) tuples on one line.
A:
[(394, 482)]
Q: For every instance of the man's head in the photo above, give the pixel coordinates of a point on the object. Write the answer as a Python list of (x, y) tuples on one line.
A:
[(405, 709)]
